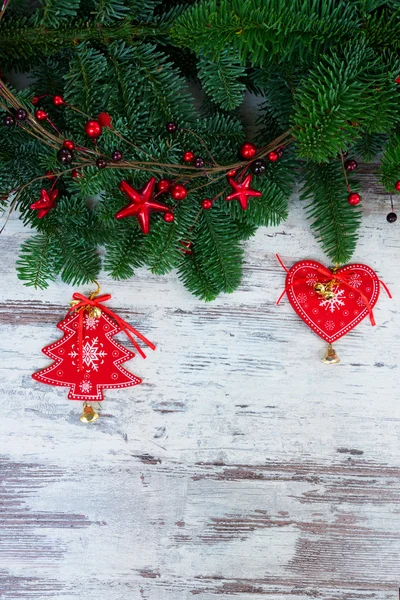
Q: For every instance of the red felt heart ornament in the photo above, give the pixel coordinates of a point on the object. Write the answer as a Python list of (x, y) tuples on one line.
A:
[(339, 303)]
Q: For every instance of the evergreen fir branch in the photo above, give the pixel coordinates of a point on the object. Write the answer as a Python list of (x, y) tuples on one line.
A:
[(124, 251), (218, 252), (75, 260), (86, 69), (331, 103), (160, 93), (163, 248), (106, 11), (221, 80), (390, 163), (334, 221), (35, 266), (369, 146), (52, 13), (258, 32), (194, 277)]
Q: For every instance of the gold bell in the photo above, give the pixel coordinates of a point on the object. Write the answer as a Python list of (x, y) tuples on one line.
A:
[(330, 357), (95, 312), (73, 303), (319, 288), (328, 295), (89, 414)]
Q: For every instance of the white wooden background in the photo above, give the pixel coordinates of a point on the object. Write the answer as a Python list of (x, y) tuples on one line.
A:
[(242, 468)]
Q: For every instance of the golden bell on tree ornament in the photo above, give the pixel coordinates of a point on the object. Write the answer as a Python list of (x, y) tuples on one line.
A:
[(89, 414), (331, 357)]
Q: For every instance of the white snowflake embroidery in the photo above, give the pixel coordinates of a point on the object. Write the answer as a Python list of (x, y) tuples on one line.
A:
[(330, 325), (311, 279), (92, 355), (90, 322), (360, 302), (302, 298), (85, 386), (355, 280), (337, 301)]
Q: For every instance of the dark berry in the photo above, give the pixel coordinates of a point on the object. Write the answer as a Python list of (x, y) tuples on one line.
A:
[(9, 121), (350, 165), (116, 156), (391, 218), (101, 163), (171, 127), (65, 156), (199, 163), (21, 114), (258, 167)]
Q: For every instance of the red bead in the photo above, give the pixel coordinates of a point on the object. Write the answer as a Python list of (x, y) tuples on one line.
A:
[(188, 157), (397, 186), (40, 115), (50, 175), (35, 100), (178, 192), (231, 173), (353, 199), (76, 174), (247, 151), (273, 156), (397, 80), (168, 217), (163, 185), (69, 144), (58, 100), (206, 204), (93, 129), (104, 119)]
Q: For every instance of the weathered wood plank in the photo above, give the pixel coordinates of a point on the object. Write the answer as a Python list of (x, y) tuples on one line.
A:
[(243, 467)]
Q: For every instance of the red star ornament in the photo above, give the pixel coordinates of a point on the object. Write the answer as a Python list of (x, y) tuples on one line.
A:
[(242, 191), (141, 204), (46, 202)]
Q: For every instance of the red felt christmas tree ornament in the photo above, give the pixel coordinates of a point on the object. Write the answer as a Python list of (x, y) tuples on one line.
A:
[(332, 302), (88, 359)]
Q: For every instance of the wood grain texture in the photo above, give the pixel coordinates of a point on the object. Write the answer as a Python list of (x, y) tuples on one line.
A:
[(242, 467)]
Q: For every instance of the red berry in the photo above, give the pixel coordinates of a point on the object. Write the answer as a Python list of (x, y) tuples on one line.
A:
[(163, 185), (104, 119), (247, 151), (397, 80), (273, 156), (231, 173), (69, 145), (40, 115), (188, 156), (76, 174), (58, 100), (93, 129), (168, 217), (206, 204), (397, 186), (353, 199), (50, 175), (178, 192), (35, 100)]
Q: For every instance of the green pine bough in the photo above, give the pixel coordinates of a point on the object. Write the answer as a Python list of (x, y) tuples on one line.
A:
[(326, 74)]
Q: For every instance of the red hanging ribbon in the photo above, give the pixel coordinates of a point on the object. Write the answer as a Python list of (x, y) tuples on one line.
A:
[(84, 302), (330, 275)]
